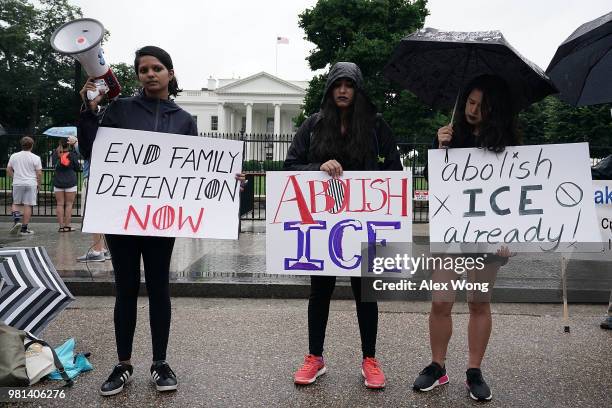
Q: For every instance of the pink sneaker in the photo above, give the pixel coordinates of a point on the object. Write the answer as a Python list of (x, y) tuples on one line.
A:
[(371, 371), (313, 367)]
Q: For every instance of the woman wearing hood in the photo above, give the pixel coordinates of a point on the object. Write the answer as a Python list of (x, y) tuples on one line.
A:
[(346, 134)]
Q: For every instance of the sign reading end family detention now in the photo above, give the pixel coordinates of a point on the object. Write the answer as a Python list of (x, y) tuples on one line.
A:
[(529, 198), (316, 225), (160, 184)]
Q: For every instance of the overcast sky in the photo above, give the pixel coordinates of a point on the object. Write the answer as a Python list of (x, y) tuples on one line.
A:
[(237, 38)]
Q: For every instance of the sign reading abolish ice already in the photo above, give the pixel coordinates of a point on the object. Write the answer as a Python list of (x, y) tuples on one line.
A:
[(149, 183), (316, 225), (530, 198)]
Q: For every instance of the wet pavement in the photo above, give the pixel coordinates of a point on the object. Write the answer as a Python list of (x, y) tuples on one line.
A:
[(222, 268), (242, 353)]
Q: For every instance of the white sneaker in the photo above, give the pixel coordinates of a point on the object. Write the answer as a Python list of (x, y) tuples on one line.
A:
[(16, 228), (92, 256), (26, 232)]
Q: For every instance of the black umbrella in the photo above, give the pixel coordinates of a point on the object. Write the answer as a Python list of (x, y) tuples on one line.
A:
[(33, 293), (436, 65), (582, 65)]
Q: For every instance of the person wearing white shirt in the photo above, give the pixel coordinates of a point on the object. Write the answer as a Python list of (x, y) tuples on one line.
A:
[(25, 168)]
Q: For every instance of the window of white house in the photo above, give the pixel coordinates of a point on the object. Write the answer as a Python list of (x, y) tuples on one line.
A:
[(243, 126), (270, 126), (214, 123)]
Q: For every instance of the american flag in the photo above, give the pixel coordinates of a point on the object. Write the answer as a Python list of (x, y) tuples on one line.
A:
[(282, 40)]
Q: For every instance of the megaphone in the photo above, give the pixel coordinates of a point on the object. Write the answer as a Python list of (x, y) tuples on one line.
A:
[(81, 40)]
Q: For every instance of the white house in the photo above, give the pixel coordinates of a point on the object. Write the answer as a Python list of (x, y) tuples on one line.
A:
[(261, 104)]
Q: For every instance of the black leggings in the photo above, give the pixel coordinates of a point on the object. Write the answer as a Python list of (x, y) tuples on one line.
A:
[(321, 289), (156, 252)]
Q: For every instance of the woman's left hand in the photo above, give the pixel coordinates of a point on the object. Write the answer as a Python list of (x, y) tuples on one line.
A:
[(243, 181), (504, 252)]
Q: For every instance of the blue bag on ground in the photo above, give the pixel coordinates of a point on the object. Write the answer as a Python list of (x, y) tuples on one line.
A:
[(73, 365)]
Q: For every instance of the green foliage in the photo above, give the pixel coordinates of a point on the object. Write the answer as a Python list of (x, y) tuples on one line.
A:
[(127, 78), (269, 165), (36, 83), (251, 165), (366, 32), (553, 121)]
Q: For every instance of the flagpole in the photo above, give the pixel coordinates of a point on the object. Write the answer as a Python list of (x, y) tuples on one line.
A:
[(276, 60)]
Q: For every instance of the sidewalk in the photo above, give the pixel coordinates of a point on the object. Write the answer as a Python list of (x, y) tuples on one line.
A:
[(242, 353), (223, 268)]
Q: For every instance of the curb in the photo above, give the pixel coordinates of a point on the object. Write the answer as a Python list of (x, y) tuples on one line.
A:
[(342, 291)]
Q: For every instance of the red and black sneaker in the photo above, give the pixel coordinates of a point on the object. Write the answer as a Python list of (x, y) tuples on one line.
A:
[(431, 376), (476, 385)]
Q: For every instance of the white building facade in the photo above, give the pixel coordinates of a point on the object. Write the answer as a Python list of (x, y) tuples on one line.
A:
[(260, 106)]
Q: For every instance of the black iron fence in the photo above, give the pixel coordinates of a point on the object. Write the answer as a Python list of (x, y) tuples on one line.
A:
[(262, 153)]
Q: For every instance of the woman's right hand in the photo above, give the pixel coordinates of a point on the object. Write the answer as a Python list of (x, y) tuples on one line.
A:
[(332, 167), (445, 135), (90, 86)]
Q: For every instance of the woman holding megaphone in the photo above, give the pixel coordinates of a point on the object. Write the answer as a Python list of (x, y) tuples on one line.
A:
[(150, 110)]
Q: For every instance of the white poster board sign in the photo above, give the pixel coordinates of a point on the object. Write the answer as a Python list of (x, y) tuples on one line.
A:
[(316, 225), (160, 184), (529, 198), (603, 205)]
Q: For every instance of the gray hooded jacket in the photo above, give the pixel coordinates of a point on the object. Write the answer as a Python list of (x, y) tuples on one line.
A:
[(387, 156)]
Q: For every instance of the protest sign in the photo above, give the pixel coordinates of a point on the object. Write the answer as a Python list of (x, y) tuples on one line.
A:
[(529, 198), (159, 184), (316, 225), (603, 206)]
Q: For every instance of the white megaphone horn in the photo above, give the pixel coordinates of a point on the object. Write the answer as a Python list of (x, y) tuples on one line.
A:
[(81, 40)]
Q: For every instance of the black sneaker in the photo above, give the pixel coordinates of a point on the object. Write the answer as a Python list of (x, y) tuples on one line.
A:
[(431, 376), (121, 375), (476, 385), (163, 376)]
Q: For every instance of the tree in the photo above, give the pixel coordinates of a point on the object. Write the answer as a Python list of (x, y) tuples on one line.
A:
[(36, 83), (554, 121), (366, 32), (127, 78)]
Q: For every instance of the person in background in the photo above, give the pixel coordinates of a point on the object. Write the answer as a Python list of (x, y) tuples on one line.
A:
[(25, 168), (97, 252), (66, 165)]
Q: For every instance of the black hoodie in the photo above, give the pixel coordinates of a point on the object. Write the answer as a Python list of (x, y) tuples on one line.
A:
[(137, 113), (386, 154)]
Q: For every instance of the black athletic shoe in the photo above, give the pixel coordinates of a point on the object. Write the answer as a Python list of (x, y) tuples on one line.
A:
[(121, 375), (163, 376), (476, 385), (431, 376)]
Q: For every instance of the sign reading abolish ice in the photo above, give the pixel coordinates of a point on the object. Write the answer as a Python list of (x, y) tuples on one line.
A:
[(316, 225), (603, 205), (534, 198), (149, 183)]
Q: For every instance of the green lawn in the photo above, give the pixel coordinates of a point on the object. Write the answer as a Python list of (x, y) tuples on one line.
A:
[(6, 183)]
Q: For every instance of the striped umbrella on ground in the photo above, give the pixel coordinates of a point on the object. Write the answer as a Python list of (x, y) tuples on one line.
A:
[(33, 293)]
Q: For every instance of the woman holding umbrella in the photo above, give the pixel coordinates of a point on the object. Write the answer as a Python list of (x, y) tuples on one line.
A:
[(486, 118), (346, 134)]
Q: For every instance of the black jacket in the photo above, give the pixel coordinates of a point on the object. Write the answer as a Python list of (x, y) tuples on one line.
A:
[(137, 113), (386, 155), (65, 176)]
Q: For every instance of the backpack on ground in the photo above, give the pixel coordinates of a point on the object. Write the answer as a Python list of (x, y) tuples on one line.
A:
[(25, 359)]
